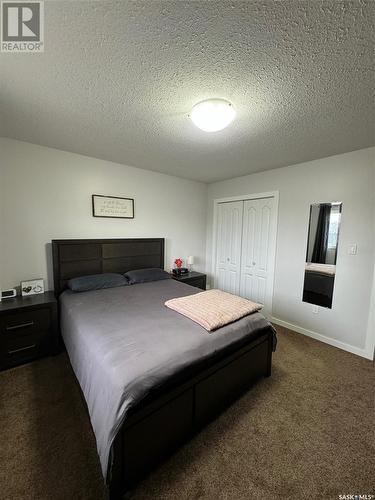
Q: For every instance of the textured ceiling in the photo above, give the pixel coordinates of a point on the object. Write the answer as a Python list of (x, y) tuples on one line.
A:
[(118, 79)]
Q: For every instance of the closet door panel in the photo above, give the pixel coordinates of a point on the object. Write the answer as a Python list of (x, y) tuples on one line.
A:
[(256, 239), (228, 247), (220, 279), (261, 285), (234, 233), (249, 235), (221, 260), (250, 241), (247, 285), (232, 284), (264, 236)]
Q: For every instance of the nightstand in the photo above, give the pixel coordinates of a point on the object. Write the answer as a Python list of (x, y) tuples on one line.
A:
[(28, 329), (194, 279)]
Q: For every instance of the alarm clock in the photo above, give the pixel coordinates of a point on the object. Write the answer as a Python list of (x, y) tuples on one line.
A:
[(7, 294)]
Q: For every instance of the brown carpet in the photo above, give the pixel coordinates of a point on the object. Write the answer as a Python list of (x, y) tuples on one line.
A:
[(306, 432)]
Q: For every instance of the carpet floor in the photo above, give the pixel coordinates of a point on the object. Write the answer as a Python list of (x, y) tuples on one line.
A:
[(305, 433)]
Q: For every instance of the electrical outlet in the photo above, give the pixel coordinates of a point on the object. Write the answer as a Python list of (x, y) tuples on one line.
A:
[(315, 309)]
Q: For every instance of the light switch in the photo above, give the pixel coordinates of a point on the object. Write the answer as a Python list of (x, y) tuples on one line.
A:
[(315, 309), (352, 249)]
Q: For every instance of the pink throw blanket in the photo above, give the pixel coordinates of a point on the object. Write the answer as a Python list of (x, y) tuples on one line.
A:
[(213, 308)]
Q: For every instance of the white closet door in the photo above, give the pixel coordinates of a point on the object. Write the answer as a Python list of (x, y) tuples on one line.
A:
[(256, 260), (228, 246)]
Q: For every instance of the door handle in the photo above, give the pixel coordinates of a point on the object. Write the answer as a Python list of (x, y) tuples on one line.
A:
[(16, 327), (27, 348)]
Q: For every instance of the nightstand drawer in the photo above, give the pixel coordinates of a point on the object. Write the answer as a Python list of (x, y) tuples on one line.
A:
[(193, 279), (25, 322), (16, 349), (197, 282)]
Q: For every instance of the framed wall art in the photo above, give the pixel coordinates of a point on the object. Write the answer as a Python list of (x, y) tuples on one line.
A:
[(112, 207), (32, 287)]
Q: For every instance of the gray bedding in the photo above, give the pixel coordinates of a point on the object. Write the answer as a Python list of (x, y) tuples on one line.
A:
[(122, 342)]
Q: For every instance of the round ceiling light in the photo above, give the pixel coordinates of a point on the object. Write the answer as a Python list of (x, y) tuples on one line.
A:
[(212, 115)]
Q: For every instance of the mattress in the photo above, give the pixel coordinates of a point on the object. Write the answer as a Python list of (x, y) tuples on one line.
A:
[(123, 343), (328, 269)]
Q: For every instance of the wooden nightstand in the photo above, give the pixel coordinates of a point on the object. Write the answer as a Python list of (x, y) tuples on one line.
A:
[(28, 329), (194, 279)]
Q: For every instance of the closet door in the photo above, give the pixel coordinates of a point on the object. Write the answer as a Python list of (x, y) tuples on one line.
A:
[(256, 263), (228, 246)]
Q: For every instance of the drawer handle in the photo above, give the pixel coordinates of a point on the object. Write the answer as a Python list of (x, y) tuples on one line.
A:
[(16, 327), (27, 348)]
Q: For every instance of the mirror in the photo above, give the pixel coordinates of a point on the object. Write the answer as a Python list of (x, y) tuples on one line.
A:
[(320, 267)]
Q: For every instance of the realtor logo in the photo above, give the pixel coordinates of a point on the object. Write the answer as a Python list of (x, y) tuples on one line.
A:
[(22, 26)]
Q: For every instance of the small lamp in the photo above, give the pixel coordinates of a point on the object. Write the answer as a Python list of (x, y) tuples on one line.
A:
[(190, 262)]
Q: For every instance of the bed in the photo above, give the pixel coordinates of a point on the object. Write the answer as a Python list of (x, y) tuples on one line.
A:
[(318, 284), (150, 377)]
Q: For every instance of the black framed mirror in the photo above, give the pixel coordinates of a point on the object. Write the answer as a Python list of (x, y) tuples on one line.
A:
[(321, 254)]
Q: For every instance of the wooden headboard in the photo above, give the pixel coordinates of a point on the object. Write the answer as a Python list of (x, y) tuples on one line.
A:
[(73, 258)]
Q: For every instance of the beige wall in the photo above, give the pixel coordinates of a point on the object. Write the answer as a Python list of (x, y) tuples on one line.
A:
[(348, 178), (46, 193)]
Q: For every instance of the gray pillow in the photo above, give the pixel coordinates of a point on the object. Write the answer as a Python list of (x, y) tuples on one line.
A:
[(97, 282), (146, 275)]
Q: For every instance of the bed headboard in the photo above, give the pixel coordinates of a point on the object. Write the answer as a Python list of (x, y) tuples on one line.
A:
[(72, 258)]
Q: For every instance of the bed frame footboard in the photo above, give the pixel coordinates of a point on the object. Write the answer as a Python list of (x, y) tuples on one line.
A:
[(154, 431)]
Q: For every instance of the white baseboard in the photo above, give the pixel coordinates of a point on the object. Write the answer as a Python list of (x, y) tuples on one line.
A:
[(327, 340)]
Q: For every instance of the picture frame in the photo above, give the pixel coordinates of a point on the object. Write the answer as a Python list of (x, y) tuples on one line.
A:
[(112, 207), (32, 287)]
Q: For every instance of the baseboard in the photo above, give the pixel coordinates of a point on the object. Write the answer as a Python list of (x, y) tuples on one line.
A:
[(317, 336)]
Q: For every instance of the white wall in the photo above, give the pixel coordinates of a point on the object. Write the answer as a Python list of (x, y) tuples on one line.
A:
[(348, 178), (46, 194)]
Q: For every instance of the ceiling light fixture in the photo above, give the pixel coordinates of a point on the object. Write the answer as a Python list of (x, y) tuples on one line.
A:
[(212, 115)]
